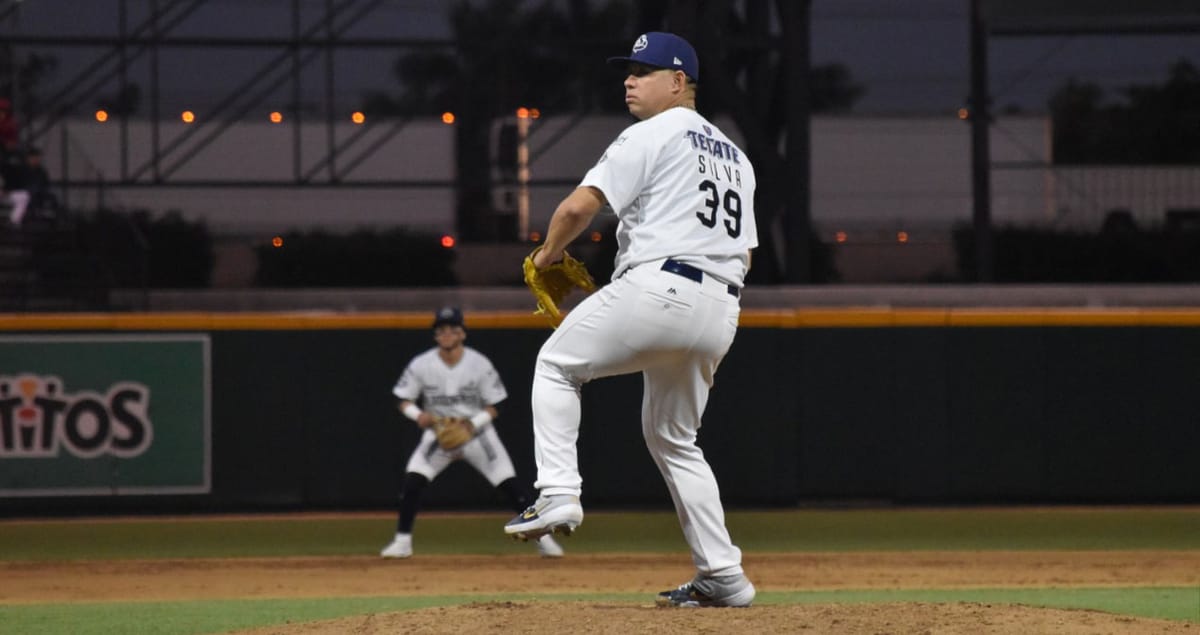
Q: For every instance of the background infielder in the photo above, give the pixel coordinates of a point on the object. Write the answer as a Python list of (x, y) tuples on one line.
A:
[(453, 381), (684, 197)]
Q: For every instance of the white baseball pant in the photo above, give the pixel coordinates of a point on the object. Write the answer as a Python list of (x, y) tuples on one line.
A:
[(486, 453), (19, 199), (675, 331)]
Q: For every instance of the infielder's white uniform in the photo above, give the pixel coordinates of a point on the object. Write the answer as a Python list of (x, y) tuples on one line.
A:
[(456, 391), (684, 197)]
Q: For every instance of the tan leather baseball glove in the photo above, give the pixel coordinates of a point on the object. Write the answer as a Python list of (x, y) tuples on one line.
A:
[(551, 284), (452, 432)]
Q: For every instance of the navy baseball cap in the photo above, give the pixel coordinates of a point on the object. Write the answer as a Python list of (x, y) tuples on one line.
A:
[(663, 50), (448, 315)]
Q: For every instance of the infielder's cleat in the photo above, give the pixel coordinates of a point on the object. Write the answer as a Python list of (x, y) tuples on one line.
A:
[(401, 547), (725, 591), (548, 548), (559, 514)]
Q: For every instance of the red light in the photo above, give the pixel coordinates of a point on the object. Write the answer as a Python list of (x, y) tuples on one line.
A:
[(841, 237), (522, 113), (902, 237), (596, 237), (277, 242), (102, 116), (535, 237), (447, 241), (447, 117)]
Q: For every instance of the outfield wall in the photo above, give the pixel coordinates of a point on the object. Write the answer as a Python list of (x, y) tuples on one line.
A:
[(930, 406)]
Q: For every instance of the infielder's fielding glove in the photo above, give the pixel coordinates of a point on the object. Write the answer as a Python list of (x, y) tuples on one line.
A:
[(551, 284), (452, 432)]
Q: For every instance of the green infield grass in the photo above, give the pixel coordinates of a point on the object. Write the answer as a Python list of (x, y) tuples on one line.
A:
[(1166, 528)]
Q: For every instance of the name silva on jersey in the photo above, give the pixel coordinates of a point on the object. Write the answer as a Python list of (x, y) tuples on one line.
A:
[(716, 149)]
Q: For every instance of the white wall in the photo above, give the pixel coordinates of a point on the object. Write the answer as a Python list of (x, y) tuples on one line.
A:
[(868, 174), (915, 172)]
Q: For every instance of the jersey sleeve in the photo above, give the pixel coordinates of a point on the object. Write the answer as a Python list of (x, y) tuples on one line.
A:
[(491, 388), (408, 387), (623, 169)]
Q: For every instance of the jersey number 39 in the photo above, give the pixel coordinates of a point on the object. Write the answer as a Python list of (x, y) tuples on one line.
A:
[(730, 202)]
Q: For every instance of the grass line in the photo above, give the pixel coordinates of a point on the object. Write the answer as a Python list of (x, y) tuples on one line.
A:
[(608, 532)]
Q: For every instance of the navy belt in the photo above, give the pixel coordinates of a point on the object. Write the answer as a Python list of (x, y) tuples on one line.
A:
[(691, 273)]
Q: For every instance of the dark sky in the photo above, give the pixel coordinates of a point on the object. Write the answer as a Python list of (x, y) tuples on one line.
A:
[(910, 55), (913, 55)]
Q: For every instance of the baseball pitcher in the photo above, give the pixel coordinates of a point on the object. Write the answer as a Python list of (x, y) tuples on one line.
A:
[(683, 193)]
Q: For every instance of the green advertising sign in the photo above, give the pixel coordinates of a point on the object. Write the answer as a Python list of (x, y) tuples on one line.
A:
[(95, 415)]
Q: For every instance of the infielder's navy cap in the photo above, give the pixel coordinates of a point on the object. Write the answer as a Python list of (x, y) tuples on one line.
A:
[(448, 315), (664, 50)]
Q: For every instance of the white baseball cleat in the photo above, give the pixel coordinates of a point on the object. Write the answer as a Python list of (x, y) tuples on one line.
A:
[(558, 514), (400, 547), (731, 590), (548, 548)]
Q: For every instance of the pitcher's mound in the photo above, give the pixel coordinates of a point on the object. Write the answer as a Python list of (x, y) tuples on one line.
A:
[(571, 618)]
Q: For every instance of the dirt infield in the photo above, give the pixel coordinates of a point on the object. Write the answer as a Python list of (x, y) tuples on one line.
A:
[(873, 619), (189, 579)]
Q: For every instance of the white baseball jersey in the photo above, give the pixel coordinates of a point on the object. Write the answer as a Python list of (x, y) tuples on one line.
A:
[(451, 391), (681, 189), (456, 391)]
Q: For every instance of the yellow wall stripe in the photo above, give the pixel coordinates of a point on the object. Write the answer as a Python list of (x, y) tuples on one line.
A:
[(865, 317)]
